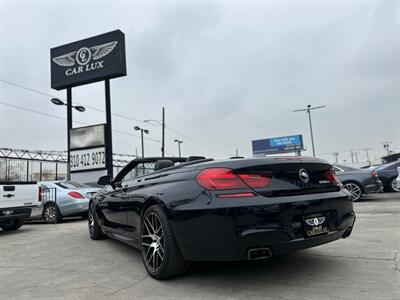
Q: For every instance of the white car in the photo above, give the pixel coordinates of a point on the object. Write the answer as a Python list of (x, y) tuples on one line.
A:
[(16, 202)]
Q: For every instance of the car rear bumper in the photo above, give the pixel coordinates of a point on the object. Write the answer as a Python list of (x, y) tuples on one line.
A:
[(14, 213), (227, 234), (374, 188)]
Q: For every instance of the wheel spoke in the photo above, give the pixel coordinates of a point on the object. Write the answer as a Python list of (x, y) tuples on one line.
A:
[(152, 228), (153, 242)]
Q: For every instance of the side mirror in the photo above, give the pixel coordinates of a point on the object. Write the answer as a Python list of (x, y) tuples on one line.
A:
[(104, 180)]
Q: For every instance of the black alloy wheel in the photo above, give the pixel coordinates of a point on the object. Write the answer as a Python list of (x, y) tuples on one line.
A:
[(160, 253), (95, 231)]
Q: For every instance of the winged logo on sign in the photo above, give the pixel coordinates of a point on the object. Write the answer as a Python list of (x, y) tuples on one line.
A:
[(84, 55), (315, 221)]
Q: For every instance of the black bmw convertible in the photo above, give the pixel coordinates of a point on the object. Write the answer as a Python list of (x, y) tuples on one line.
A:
[(178, 210)]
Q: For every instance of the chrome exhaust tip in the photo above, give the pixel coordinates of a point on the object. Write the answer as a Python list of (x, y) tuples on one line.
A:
[(259, 253)]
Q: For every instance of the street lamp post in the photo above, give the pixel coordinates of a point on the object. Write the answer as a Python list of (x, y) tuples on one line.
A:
[(308, 110), (179, 145), (142, 130), (69, 106), (162, 123)]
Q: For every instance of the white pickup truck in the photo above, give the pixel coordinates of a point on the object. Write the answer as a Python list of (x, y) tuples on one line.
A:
[(16, 202)]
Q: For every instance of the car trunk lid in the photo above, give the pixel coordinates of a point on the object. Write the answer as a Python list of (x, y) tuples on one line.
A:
[(294, 178)]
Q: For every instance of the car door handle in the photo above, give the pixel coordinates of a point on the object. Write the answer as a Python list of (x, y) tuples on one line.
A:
[(8, 195)]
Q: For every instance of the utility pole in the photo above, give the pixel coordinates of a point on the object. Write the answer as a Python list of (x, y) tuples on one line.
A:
[(162, 123), (308, 110), (237, 152), (352, 156), (336, 155)]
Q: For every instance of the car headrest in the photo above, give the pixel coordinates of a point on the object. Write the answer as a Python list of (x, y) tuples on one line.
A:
[(163, 163), (193, 158)]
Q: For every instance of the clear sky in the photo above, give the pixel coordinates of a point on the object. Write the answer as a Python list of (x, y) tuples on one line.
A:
[(226, 72)]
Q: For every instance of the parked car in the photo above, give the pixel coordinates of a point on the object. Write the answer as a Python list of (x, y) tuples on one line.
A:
[(206, 210), (16, 202), (358, 181), (387, 174), (62, 199)]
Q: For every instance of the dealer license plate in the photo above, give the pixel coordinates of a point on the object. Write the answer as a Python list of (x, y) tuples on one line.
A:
[(315, 225)]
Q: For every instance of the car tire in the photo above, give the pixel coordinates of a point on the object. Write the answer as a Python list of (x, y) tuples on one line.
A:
[(95, 231), (160, 252), (13, 225), (51, 214), (393, 185), (355, 190)]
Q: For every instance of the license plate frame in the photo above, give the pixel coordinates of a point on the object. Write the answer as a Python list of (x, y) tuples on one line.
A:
[(315, 224)]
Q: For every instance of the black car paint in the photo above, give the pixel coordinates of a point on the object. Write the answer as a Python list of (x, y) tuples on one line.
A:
[(209, 228)]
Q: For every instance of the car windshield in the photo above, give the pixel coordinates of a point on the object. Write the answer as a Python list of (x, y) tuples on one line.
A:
[(70, 185)]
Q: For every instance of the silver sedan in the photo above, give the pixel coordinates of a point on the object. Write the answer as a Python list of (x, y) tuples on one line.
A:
[(59, 199)]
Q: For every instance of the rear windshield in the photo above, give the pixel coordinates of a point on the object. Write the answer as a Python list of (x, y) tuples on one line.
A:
[(70, 185), (345, 168), (390, 166)]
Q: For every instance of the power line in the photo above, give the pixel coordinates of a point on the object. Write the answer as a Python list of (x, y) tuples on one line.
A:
[(53, 96), (114, 114), (193, 141), (61, 118)]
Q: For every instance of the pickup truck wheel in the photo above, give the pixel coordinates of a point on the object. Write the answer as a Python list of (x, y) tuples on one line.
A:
[(160, 253), (95, 231), (51, 214), (13, 225)]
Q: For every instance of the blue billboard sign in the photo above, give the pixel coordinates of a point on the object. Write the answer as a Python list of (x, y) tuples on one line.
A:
[(277, 145)]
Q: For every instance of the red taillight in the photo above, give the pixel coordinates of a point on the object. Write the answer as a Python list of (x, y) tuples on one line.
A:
[(236, 195), (219, 179), (374, 173), (255, 180), (225, 179), (331, 175), (76, 195)]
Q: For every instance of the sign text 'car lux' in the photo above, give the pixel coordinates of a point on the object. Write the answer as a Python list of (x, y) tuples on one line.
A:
[(88, 60)]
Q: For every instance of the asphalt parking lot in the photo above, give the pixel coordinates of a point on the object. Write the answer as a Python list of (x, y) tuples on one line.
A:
[(42, 261)]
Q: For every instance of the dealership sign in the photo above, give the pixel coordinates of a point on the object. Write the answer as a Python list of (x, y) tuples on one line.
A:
[(277, 145), (88, 60), (87, 148)]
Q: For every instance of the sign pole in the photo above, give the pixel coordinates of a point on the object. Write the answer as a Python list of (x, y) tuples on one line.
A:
[(108, 135), (69, 127), (163, 133)]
